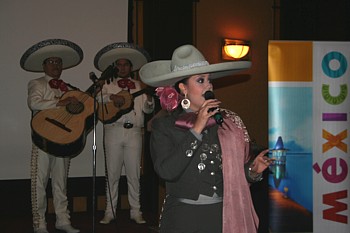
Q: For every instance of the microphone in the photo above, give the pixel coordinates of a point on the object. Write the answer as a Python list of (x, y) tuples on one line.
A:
[(217, 116), (93, 77)]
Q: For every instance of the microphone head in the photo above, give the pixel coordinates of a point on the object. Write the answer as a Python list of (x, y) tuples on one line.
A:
[(209, 95), (92, 76), (217, 116)]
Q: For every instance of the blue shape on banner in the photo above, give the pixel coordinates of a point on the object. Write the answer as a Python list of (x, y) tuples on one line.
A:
[(278, 169)]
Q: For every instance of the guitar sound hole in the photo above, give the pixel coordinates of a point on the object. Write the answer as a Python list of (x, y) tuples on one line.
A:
[(75, 108)]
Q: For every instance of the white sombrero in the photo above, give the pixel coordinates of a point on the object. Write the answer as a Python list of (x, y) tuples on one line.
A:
[(122, 50), (70, 53), (186, 61)]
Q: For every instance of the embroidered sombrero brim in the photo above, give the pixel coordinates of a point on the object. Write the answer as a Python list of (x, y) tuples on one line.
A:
[(70, 53), (122, 50), (186, 61)]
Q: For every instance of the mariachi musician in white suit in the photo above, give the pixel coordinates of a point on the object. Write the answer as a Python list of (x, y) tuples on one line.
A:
[(123, 137), (51, 57)]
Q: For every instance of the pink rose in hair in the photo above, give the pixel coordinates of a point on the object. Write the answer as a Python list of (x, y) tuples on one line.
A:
[(169, 98)]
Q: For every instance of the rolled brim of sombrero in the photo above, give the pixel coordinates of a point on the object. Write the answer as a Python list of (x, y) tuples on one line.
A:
[(158, 73), (70, 53), (121, 50)]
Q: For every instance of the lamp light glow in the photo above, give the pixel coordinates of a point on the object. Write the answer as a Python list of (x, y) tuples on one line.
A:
[(234, 49)]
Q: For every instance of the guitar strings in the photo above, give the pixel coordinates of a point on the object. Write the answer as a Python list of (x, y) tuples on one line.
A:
[(66, 116)]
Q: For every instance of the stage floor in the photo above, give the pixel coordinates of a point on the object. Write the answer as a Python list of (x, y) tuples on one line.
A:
[(84, 222)]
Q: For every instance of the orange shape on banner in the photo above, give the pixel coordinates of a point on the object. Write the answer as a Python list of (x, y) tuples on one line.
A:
[(290, 61), (334, 141)]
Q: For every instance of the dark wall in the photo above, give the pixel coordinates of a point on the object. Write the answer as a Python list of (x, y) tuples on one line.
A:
[(321, 20), (167, 25)]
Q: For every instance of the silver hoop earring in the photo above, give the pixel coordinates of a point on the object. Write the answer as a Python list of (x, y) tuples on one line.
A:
[(185, 103)]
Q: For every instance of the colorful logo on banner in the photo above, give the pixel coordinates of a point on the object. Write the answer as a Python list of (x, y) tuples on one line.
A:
[(309, 107), (331, 160)]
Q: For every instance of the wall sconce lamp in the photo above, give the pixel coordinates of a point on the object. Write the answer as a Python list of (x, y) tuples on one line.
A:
[(234, 49)]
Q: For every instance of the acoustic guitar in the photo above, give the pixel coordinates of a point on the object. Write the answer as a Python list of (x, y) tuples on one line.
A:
[(62, 131), (109, 113)]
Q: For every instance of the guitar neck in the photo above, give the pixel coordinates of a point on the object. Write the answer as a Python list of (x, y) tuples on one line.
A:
[(135, 94)]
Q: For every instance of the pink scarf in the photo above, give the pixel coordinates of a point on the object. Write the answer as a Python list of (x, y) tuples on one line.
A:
[(238, 211)]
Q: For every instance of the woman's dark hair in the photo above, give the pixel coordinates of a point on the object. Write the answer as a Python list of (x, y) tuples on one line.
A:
[(176, 86)]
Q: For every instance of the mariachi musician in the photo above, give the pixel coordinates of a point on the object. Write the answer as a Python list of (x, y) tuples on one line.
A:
[(51, 57), (123, 134)]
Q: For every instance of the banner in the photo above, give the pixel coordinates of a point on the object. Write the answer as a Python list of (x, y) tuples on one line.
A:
[(308, 135)]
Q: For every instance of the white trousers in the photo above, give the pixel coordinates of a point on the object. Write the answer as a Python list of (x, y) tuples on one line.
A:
[(42, 166), (123, 147)]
